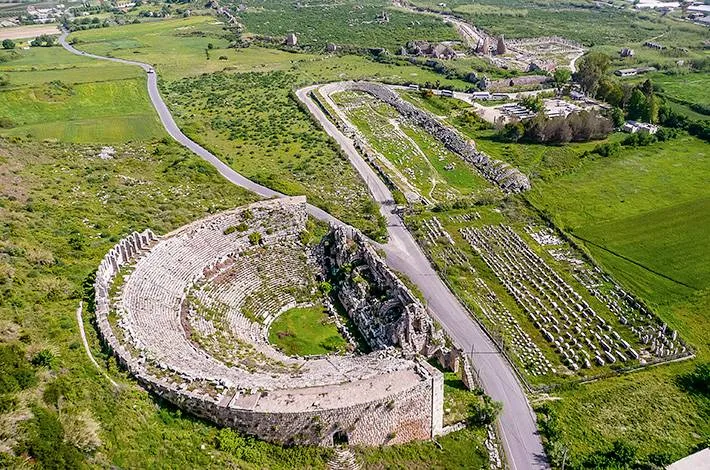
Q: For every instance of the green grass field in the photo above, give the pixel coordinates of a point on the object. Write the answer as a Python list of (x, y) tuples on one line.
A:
[(691, 87), (582, 21), (644, 218), (305, 332), (53, 94), (349, 22), (176, 54)]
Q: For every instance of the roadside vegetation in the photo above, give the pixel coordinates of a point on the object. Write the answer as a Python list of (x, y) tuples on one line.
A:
[(254, 123)]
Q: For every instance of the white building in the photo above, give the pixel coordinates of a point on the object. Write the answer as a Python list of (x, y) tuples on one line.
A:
[(633, 127)]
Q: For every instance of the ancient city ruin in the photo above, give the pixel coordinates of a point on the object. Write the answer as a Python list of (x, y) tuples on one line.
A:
[(187, 314), (504, 175)]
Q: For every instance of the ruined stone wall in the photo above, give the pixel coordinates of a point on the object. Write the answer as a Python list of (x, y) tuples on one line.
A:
[(385, 311), (412, 412), (415, 414), (504, 175)]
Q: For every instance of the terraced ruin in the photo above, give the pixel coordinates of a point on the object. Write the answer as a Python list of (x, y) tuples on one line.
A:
[(188, 315), (558, 315), (507, 177)]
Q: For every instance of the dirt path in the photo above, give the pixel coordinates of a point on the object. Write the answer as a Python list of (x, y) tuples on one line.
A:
[(80, 321)]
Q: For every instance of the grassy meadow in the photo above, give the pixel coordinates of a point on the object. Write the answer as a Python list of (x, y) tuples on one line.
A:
[(306, 331), (52, 94), (583, 20), (644, 218), (345, 23)]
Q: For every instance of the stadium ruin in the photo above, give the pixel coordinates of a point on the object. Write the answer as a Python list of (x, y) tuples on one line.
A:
[(188, 313)]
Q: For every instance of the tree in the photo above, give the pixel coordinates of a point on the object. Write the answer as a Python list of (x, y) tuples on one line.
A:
[(561, 77), (610, 91), (485, 412), (617, 117), (637, 105), (42, 40), (592, 67), (8, 44), (512, 132)]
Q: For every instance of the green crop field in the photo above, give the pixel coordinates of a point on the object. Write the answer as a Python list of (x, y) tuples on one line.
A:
[(583, 20), (306, 331), (53, 94), (351, 23)]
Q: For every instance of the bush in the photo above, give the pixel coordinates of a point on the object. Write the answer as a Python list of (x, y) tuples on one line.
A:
[(255, 238), (639, 139), (44, 358), (7, 403), (698, 381), (608, 150), (45, 442), (484, 412), (16, 372)]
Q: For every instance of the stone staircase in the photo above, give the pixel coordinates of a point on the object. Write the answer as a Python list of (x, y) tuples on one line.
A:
[(344, 459)]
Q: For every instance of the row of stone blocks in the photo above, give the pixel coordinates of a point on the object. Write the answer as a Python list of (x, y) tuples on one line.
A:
[(504, 175)]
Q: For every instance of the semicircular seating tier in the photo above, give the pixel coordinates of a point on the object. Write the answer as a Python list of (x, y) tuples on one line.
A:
[(190, 322)]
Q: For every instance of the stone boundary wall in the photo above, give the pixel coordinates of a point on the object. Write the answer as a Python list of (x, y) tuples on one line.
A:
[(504, 175), (411, 413)]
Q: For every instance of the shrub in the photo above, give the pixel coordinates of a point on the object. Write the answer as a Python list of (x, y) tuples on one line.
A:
[(484, 412), (610, 149), (45, 442), (697, 381), (16, 372), (7, 403), (255, 238), (82, 431), (325, 287), (44, 358)]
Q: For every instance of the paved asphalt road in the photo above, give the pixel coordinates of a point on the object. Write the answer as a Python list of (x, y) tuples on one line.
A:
[(518, 432)]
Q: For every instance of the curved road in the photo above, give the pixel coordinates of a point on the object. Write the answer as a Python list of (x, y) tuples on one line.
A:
[(517, 429)]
